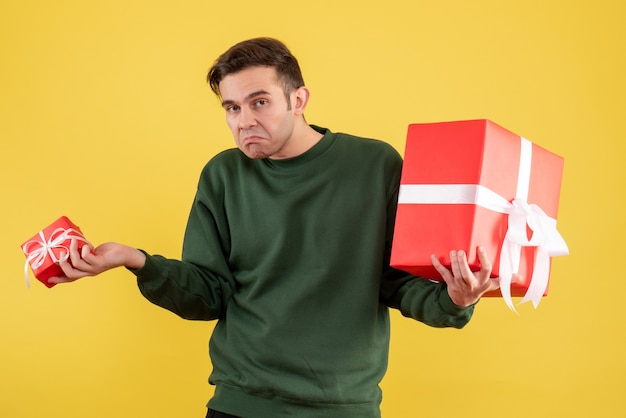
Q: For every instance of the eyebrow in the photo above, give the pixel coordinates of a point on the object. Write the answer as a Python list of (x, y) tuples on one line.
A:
[(248, 97)]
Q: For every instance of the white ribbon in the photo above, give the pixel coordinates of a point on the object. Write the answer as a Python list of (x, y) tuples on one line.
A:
[(521, 215), (37, 257), (545, 238)]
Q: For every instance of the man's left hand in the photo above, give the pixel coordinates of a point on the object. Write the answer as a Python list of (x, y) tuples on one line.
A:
[(466, 287)]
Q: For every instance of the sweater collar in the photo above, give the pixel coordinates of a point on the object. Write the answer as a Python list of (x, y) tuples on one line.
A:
[(317, 150)]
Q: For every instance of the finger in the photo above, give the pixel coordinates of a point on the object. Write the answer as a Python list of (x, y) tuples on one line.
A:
[(454, 264), (465, 271), (69, 271), (466, 275), (88, 255), (74, 254), (85, 251), (441, 269), (80, 258), (485, 264), (60, 279), (494, 284)]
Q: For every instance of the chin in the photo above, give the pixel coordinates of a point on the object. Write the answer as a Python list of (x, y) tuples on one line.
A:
[(255, 155), (255, 152)]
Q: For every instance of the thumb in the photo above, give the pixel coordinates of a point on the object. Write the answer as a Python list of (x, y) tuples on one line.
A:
[(494, 284)]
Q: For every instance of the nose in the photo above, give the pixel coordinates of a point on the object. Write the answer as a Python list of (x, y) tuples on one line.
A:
[(246, 119)]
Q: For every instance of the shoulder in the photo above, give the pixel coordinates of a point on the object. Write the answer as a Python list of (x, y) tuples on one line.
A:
[(225, 162), (372, 158), (227, 156), (368, 148), (355, 143), (222, 168)]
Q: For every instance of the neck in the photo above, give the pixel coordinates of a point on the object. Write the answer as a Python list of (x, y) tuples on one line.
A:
[(303, 139)]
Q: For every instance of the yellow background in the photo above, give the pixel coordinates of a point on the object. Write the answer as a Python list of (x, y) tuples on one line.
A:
[(105, 117)]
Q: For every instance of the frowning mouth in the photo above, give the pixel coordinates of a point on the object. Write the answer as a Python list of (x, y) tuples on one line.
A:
[(251, 139)]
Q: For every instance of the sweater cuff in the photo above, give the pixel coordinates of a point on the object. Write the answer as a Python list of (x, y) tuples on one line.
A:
[(150, 268), (452, 308)]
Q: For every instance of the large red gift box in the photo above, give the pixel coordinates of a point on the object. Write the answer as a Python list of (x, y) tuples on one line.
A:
[(49, 246), (471, 183)]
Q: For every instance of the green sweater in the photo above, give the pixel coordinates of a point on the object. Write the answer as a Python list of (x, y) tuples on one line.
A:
[(292, 258)]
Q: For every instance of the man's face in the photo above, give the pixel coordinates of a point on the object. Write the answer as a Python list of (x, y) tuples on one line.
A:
[(257, 112)]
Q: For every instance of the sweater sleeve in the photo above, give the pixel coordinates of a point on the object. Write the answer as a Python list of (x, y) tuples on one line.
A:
[(201, 285), (189, 291), (423, 300)]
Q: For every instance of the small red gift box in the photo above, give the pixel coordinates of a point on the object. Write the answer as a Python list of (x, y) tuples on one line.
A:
[(51, 245), (471, 183)]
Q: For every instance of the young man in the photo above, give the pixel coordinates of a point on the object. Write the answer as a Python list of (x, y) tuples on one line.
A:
[(287, 246)]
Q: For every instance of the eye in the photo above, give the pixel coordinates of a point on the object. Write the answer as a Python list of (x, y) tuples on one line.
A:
[(231, 108), (261, 102)]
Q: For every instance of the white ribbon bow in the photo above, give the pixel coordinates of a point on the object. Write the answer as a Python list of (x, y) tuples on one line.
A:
[(544, 236), (37, 257)]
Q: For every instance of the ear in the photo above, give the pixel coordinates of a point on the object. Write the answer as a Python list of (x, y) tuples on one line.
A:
[(300, 98)]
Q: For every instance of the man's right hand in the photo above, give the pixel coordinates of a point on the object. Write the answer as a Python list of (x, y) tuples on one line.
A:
[(93, 261)]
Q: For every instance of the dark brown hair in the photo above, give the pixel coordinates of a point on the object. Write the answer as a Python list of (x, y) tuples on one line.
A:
[(262, 52)]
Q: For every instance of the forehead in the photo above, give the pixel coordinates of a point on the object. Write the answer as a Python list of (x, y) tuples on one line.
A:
[(239, 85)]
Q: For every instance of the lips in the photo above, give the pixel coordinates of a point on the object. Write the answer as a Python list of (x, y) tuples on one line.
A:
[(251, 139)]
